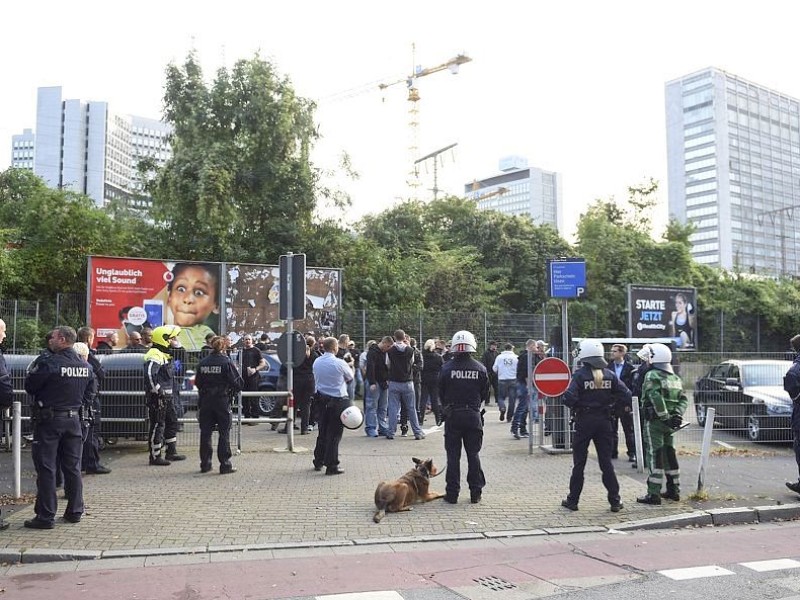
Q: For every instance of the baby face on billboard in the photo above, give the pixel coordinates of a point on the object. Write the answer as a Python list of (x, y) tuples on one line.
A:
[(192, 295)]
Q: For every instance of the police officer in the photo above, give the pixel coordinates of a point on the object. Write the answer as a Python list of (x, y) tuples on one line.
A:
[(791, 383), (593, 396), (218, 380), (663, 404), (158, 375), (331, 376), (6, 391), (58, 383), (463, 385)]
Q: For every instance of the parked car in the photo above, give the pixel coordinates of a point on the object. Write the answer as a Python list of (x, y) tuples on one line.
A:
[(268, 406), (748, 396)]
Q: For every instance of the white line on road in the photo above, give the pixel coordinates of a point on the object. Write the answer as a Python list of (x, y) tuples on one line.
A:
[(381, 595), (772, 565), (696, 572)]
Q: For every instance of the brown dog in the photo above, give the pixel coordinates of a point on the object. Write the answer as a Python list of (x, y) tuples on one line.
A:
[(400, 494)]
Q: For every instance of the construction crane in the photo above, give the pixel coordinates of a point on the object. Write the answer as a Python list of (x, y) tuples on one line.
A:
[(498, 192), (453, 65)]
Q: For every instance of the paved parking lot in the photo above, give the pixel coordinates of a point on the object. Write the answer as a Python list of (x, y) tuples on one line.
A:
[(276, 497)]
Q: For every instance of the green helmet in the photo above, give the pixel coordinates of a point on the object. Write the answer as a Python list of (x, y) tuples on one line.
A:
[(163, 334)]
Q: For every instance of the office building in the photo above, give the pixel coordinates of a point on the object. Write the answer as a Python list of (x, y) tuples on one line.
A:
[(733, 159), (22, 146), (87, 148), (520, 190)]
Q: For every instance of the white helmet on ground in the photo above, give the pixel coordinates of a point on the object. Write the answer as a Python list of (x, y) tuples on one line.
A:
[(352, 417), (463, 341), (591, 352), (661, 357)]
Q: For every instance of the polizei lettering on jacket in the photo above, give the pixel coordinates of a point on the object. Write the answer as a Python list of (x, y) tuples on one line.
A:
[(589, 385), (74, 371), (215, 370), (463, 374)]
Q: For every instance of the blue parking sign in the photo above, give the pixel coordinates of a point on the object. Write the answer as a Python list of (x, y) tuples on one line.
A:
[(566, 277)]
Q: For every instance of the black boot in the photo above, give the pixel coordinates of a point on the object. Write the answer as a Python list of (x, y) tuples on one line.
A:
[(502, 415), (654, 499), (172, 452), (159, 461)]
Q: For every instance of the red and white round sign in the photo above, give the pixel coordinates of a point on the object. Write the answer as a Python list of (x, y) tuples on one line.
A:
[(551, 376)]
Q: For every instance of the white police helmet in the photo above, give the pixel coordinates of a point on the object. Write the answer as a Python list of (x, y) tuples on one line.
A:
[(591, 352), (463, 341), (645, 354), (661, 357), (352, 417)]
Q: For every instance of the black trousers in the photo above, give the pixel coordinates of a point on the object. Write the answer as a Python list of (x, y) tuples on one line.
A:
[(303, 392), (215, 410), (593, 427), (57, 441), (163, 424), (326, 452), (430, 393), (463, 427)]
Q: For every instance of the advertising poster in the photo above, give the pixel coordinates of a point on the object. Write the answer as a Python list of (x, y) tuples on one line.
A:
[(657, 312), (129, 294), (252, 301)]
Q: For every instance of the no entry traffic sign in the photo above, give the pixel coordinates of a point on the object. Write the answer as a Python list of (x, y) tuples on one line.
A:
[(551, 376)]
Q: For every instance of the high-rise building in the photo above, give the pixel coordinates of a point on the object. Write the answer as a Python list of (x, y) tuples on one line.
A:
[(733, 159), (520, 190), (22, 146), (85, 147)]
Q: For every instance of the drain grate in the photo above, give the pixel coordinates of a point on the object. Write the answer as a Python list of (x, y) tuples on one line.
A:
[(495, 583)]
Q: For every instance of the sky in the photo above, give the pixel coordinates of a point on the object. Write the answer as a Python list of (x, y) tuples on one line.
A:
[(576, 87)]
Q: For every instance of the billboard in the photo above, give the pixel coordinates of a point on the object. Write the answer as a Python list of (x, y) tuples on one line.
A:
[(129, 294), (252, 300), (655, 311)]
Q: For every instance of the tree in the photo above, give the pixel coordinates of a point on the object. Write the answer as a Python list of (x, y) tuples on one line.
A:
[(239, 185)]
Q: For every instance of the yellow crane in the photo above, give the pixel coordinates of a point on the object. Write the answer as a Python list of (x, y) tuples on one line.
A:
[(453, 65), (478, 197)]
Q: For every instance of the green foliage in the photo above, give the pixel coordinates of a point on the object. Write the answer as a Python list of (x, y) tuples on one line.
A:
[(239, 185)]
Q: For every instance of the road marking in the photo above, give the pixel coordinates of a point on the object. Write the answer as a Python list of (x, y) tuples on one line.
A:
[(772, 565), (381, 595), (696, 572)]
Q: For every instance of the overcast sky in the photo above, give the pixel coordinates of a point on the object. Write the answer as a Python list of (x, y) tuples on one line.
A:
[(576, 87)]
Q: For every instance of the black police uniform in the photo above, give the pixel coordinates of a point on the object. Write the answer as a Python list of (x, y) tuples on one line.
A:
[(463, 385), (217, 380), (90, 461), (58, 383), (791, 383), (593, 410)]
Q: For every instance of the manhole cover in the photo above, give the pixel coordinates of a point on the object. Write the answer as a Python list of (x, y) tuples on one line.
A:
[(495, 583)]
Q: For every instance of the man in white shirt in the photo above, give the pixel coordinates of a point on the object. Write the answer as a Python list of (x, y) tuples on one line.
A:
[(505, 365), (331, 377)]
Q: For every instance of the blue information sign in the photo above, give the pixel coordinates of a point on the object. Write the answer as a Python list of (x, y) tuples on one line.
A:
[(567, 277)]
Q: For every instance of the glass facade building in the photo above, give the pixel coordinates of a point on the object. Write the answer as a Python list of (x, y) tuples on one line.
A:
[(520, 190), (733, 160), (86, 148)]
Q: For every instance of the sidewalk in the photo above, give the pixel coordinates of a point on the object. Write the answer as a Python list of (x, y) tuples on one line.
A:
[(277, 500)]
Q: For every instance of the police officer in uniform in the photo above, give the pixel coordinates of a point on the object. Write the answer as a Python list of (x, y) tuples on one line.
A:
[(593, 396), (218, 380), (463, 385), (663, 404), (58, 383), (158, 375), (791, 383)]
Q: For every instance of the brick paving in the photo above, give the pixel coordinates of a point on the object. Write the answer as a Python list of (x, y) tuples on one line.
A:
[(276, 497)]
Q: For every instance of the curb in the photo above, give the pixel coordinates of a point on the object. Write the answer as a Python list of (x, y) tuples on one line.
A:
[(697, 518)]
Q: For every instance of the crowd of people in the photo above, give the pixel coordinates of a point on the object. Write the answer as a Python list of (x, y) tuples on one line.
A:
[(401, 386)]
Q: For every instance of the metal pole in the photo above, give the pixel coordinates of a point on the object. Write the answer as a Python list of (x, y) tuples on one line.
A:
[(566, 354), (239, 410), (290, 358), (16, 411), (529, 416), (637, 433), (705, 448), (486, 334), (363, 330), (58, 309), (722, 332), (16, 310)]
